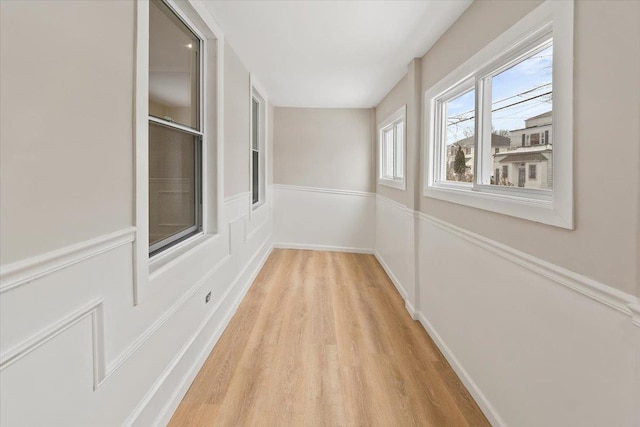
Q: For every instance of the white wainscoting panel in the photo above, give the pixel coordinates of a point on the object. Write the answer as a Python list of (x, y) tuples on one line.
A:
[(535, 345), (75, 351), (394, 247), (324, 219)]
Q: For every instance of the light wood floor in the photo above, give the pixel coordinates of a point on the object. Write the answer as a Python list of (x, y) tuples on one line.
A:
[(322, 338)]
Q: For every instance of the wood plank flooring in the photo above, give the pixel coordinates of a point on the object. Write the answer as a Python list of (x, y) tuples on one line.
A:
[(323, 339)]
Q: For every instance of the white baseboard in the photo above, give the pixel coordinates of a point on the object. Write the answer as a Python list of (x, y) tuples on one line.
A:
[(171, 405), (482, 401), (310, 247), (392, 276), (324, 219), (411, 309)]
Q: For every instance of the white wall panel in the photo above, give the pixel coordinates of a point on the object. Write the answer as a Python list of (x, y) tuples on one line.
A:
[(395, 246), (308, 217), (74, 345), (533, 347)]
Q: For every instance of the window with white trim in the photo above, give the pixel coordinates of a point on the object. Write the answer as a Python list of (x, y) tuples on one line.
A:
[(175, 129), (258, 135), (392, 148), (509, 105)]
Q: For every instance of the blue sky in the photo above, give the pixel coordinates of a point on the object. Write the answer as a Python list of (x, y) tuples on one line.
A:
[(532, 76)]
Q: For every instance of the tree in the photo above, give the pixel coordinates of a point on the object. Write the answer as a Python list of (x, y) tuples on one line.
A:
[(501, 132), (460, 163)]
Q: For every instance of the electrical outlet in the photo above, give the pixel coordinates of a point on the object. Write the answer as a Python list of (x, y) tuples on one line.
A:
[(207, 298)]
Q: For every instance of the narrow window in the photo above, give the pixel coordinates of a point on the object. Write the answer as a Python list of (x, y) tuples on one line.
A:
[(532, 171), (535, 139), (257, 150), (392, 150), (175, 132)]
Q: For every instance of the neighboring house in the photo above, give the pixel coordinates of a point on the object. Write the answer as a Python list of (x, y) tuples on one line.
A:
[(523, 159), (499, 144), (528, 162)]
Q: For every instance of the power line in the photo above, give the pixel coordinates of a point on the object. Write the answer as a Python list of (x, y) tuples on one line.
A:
[(501, 108), (509, 97)]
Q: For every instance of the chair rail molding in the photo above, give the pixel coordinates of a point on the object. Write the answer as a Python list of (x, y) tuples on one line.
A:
[(323, 190), (604, 294), (25, 271), (607, 295)]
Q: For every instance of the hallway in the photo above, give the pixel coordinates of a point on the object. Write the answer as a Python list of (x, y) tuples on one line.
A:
[(323, 338)]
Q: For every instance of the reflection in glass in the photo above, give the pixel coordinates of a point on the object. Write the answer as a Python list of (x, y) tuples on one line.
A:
[(173, 181), (174, 53)]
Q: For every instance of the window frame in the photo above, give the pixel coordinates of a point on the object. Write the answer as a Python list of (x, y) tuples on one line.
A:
[(149, 271), (392, 121), (198, 132), (554, 207), (256, 92)]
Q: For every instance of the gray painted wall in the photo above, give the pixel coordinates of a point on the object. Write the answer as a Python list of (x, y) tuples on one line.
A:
[(604, 244), (236, 124), (66, 159), (325, 148)]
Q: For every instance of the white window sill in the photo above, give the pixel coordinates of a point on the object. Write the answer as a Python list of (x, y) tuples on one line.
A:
[(258, 205), (399, 184), (174, 255), (540, 210)]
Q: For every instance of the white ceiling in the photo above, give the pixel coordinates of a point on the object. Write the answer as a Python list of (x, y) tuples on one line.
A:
[(332, 53)]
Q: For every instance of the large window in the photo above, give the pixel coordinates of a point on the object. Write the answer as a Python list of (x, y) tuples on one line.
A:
[(509, 102), (175, 129), (503, 109), (391, 153)]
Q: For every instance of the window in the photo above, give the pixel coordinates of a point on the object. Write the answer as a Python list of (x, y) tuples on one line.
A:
[(498, 109), (258, 134), (391, 135), (175, 131)]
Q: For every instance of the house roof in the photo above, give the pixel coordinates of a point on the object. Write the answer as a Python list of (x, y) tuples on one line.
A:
[(523, 157), (539, 116), (496, 141)]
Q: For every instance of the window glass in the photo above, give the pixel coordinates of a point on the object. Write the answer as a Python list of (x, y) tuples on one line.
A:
[(175, 153), (521, 115), (388, 153), (255, 118), (399, 156), (459, 114), (255, 176), (173, 184), (173, 68)]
